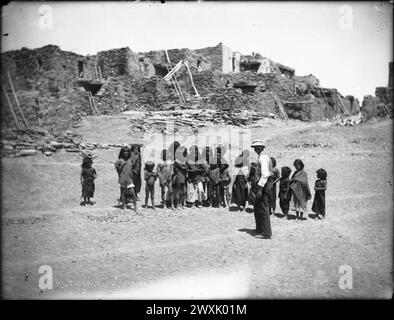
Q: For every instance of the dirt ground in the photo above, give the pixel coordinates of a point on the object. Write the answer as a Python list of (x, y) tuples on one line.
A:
[(101, 251)]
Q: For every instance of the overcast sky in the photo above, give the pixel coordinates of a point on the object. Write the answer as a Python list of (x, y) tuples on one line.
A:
[(346, 45)]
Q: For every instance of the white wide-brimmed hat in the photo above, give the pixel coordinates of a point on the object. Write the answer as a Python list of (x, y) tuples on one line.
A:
[(257, 143)]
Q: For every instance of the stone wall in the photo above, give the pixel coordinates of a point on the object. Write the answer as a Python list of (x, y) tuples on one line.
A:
[(119, 62), (307, 82), (214, 55), (57, 68), (382, 104), (46, 81)]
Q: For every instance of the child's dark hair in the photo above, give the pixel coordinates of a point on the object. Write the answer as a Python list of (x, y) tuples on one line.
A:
[(87, 162), (273, 161), (122, 153), (172, 149), (322, 174), (298, 163), (285, 172), (135, 147), (149, 165)]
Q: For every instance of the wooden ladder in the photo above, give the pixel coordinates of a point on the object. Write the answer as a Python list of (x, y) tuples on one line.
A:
[(280, 106), (92, 104), (10, 105)]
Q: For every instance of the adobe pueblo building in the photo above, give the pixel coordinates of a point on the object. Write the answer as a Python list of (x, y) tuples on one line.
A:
[(56, 87)]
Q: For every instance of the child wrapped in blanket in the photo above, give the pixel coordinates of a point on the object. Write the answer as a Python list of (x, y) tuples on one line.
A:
[(300, 189)]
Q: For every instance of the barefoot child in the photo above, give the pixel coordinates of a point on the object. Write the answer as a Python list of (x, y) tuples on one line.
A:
[(179, 180), (224, 186), (225, 177), (319, 201), (208, 162), (135, 158), (124, 168), (195, 171), (164, 172), (150, 179), (88, 175), (284, 190), (300, 189)]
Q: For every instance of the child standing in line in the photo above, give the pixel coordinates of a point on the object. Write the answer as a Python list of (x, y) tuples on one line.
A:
[(135, 158), (165, 172), (207, 159), (124, 168), (300, 189), (240, 186), (179, 179), (88, 175), (319, 201), (225, 177), (284, 191), (253, 179), (224, 186), (271, 186), (150, 179), (213, 184), (195, 171)]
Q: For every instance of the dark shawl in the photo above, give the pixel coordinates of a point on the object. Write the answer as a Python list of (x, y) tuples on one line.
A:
[(300, 187), (135, 158)]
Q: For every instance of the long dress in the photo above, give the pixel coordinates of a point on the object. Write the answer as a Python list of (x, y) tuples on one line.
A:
[(319, 201), (253, 178), (195, 190), (179, 182), (239, 193), (284, 195), (88, 187), (260, 207), (213, 187), (271, 188)]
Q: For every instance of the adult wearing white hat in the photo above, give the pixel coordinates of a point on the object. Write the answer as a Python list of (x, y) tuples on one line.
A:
[(261, 210)]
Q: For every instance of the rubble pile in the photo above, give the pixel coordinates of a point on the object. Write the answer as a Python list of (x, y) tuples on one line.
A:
[(309, 145), (189, 120), (349, 121), (32, 142)]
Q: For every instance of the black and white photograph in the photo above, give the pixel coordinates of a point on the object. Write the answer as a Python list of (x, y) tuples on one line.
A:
[(162, 150)]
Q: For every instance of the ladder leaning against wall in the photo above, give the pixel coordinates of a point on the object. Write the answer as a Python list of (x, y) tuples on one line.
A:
[(10, 105)]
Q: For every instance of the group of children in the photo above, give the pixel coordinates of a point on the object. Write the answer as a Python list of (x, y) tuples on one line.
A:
[(190, 178), (293, 190)]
